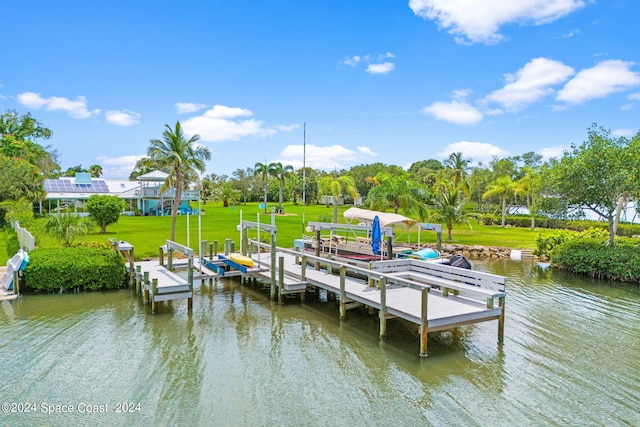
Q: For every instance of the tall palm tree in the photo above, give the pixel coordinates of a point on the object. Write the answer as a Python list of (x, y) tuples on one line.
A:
[(337, 187), (264, 170), (396, 192), (456, 167), (181, 157), (448, 203), (503, 187), (525, 186), (280, 172)]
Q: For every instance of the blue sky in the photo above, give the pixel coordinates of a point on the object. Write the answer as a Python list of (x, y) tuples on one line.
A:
[(375, 81)]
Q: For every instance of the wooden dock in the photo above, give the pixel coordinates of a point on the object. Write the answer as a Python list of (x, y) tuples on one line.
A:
[(156, 283), (436, 297)]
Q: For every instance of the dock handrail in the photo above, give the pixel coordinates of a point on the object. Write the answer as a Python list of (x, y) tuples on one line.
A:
[(377, 275), (383, 280)]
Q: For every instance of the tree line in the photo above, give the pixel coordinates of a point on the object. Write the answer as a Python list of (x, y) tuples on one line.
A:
[(601, 174)]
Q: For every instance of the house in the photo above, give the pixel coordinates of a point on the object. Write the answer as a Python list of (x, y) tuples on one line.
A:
[(142, 195)]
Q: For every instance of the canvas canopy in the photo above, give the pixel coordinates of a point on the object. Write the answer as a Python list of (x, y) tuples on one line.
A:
[(386, 219)]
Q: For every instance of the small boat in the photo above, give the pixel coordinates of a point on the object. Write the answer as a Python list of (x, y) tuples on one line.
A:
[(242, 260)]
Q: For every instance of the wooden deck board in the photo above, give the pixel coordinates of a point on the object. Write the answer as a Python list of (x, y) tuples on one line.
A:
[(442, 312)]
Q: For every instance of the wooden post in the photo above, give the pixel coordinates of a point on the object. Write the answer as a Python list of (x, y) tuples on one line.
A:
[(390, 247), (190, 281), (170, 259), (343, 308), (154, 292), (297, 250), (16, 282), (215, 247), (371, 281), (161, 251), (272, 292), (203, 250), (383, 307), (303, 268), (424, 323), (145, 288), (132, 266), (280, 279), (244, 246), (501, 302), (138, 280), (317, 263), (329, 268)]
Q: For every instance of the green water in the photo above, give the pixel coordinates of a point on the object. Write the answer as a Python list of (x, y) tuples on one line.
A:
[(571, 356)]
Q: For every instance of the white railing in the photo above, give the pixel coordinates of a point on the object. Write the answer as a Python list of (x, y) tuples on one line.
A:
[(26, 239)]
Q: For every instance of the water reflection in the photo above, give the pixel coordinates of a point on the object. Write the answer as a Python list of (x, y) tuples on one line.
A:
[(569, 357)]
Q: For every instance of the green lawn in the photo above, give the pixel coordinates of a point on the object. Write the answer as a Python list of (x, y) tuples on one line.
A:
[(219, 223)]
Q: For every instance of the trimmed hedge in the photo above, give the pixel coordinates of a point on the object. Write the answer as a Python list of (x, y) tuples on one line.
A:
[(624, 229), (74, 269), (596, 259)]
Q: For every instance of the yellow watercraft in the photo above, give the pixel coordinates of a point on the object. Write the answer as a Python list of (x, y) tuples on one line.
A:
[(241, 259)]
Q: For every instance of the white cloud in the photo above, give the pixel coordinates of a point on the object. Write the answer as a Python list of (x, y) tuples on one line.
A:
[(599, 81), (189, 107), (477, 151), (222, 123), (530, 84), (76, 108), (376, 64), (458, 112), (118, 167), (623, 132), (551, 152), (634, 96), (570, 34), (352, 60), (325, 158), (123, 118), (383, 68), (478, 21)]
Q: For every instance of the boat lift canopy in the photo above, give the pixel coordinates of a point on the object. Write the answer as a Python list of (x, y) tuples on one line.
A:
[(386, 218)]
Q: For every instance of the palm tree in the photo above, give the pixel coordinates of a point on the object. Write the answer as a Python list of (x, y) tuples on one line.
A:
[(396, 192), (448, 203), (525, 187), (95, 171), (456, 167), (503, 187), (337, 187), (181, 157), (67, 227), (280, 172), (264, 170)]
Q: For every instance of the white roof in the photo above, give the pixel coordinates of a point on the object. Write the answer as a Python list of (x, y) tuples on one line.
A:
[(365, 215), (153, 176)]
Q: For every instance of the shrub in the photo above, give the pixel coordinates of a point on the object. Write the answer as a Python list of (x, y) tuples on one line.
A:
[(13, 245), (592, 257), (77, 268), (545, 244)]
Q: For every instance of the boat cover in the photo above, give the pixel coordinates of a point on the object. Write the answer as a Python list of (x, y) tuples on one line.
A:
[(386, 218)]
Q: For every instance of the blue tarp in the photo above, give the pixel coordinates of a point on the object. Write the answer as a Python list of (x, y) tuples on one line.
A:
[(376, 235)]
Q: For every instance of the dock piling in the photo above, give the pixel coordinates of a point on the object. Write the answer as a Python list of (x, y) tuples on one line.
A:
[(424, 325)]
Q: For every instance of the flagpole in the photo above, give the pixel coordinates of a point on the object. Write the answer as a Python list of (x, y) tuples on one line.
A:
[(304, 174)]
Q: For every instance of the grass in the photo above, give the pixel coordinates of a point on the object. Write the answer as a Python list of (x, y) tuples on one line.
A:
[(146, 234)]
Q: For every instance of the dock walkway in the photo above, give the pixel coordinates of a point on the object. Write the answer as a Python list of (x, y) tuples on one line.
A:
[(157, 284), (443, 312), (431, 299)]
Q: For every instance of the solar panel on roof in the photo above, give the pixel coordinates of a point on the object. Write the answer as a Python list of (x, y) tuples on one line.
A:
[(67, 186)]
